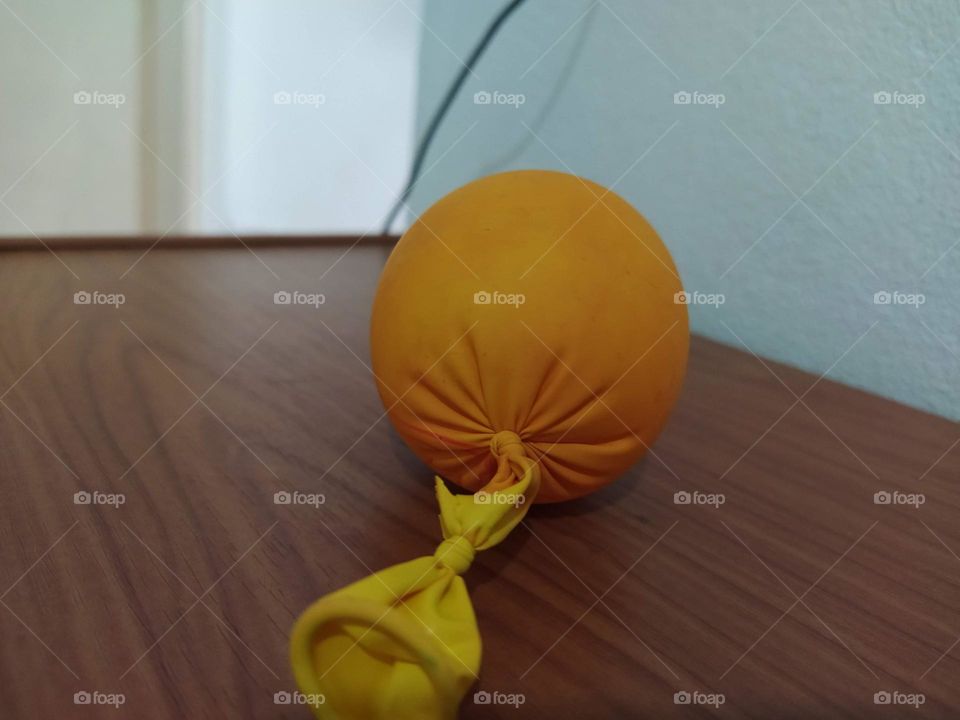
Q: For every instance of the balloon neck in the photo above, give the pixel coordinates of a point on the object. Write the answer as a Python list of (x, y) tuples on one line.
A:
[(513, 464), (506, 442)]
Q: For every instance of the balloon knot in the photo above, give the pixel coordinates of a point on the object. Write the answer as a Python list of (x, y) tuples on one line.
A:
[(456, 553), (503, 442)]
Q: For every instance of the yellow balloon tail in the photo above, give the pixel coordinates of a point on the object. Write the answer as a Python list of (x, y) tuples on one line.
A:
[(403, 642)]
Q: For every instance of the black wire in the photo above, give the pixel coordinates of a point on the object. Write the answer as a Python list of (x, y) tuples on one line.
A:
[(441, 112)]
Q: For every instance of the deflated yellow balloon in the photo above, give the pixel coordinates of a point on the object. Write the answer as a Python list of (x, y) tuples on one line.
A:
[(528, 343)]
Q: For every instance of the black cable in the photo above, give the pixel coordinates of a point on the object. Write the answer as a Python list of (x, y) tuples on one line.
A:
[(441, 112)]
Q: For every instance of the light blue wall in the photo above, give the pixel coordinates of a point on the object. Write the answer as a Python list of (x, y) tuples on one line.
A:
[(799, 80)]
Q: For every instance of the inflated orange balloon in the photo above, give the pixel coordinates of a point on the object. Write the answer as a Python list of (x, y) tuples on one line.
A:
[(529, 341), (537, 304)]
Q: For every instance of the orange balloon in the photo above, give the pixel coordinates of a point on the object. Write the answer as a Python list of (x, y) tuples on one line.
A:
[(533, 307)]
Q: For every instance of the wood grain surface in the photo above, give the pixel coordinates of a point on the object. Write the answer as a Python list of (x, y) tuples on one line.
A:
[(198, 399)]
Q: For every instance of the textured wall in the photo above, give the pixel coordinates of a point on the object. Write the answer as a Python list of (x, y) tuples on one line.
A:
[(798, 198)]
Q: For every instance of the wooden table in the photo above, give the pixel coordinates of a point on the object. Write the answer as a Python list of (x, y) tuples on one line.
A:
[(199, 398)]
